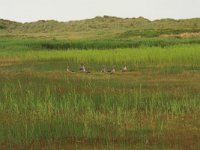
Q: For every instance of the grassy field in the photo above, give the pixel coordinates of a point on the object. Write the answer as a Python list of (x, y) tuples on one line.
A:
[(155, 105)]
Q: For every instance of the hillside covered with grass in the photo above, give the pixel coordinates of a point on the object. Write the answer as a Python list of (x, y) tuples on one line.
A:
[(103, 27)]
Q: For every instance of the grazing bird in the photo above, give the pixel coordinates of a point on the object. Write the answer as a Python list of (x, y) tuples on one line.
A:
[(112, 71), (83, 69), (124, 69), (68, 70), (103, 70)]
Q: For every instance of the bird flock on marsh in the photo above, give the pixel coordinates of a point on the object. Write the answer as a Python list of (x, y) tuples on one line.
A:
[(103, 70)]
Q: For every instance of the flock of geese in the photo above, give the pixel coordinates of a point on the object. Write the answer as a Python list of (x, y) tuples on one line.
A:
[(103, 70)]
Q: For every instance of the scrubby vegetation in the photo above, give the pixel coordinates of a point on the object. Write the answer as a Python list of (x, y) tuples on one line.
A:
[(103, 27)]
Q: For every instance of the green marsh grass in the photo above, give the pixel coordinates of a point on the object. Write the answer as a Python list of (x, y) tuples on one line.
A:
[(43, 105), (172, 59)]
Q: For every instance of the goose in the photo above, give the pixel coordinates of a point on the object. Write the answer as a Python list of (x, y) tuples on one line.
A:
[(83, 69), (68, 70), (124, 69), (112, 70), (103, 70)]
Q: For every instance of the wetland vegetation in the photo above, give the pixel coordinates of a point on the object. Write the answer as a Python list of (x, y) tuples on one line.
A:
[(154, 105)]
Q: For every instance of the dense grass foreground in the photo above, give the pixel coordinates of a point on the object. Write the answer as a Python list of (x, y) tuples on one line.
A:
[(57, 109)]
